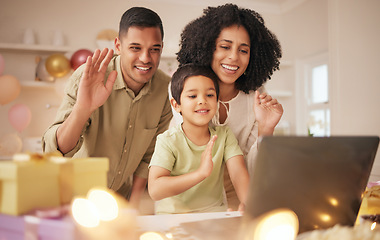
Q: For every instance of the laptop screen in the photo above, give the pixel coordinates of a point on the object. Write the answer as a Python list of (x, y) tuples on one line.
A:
[(320, 178)]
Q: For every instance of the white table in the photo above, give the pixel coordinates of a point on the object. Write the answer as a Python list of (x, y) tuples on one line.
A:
[(173, 226), (166, 222)]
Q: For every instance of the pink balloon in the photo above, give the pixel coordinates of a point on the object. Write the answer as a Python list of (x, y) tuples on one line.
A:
[(2, 64), (19, 116)]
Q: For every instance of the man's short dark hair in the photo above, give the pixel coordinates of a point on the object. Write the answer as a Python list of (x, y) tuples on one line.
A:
[(190, 70), (140, 17)]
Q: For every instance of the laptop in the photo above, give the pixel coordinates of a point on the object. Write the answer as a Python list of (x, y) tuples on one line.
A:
[(321, 179)]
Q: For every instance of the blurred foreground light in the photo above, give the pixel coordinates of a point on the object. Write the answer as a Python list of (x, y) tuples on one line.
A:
[(103, 214), (105, 203), (373, 226), (279, 224), (151, 236), (85, 213)]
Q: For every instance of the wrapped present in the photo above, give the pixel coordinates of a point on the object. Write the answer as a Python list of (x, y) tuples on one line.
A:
[(36, 181), (371, 201), (27, 185), (31, 227), (111, 213), (78, 175)]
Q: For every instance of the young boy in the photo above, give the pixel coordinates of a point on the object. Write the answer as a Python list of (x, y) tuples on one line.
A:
[(187, 166)]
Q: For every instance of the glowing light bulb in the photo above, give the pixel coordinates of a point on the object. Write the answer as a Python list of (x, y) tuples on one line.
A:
[(105, 204), (85, 213)]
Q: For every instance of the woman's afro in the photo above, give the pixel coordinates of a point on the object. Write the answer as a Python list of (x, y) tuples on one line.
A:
[(199, 36)]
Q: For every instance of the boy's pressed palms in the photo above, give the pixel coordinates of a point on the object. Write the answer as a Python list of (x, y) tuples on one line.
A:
[(207, 165)]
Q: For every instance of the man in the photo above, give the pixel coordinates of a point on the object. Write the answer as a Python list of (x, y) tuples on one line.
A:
[(115, 106)]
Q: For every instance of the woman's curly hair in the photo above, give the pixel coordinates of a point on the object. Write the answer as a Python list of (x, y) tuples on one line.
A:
[(198, 43)]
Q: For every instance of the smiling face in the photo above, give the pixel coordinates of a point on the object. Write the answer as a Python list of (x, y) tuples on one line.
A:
[(198, 101), (231, 56), (140, 51)]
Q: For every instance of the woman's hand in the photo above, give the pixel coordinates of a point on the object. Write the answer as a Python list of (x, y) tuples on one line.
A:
[(268, 112)]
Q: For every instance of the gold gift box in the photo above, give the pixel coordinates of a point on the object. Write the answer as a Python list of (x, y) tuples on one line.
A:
[(35, 181), (78, 175), (28, 185), (371, 201)]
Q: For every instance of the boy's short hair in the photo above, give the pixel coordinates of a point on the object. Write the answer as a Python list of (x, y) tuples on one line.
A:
[(190, 70), (140, 17)]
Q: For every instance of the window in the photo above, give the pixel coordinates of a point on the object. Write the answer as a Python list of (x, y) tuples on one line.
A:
[(314, 101)]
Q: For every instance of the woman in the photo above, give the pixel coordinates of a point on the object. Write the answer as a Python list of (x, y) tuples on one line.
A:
[(244, 54)]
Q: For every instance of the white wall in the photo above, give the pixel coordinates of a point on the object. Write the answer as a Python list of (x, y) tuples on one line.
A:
[(354, 38), (304, 33)]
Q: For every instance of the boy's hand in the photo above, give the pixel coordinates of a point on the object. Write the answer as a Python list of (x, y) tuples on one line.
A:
[(207, 165), (241, 207)]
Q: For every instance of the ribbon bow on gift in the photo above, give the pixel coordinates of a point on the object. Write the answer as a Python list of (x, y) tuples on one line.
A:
[(37, 157)]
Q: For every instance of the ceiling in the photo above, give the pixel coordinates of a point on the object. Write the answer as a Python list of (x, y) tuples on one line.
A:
[(277, 2), (270, 6)]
